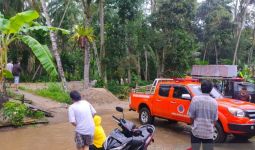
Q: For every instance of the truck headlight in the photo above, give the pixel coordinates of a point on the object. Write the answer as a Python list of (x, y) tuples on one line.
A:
[(236, 112)]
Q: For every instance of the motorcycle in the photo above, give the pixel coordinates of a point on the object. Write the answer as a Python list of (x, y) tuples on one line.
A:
[(129, 137)]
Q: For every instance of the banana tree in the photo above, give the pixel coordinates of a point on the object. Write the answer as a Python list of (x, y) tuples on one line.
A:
[(85, 36), (16, 28), (246, 74)]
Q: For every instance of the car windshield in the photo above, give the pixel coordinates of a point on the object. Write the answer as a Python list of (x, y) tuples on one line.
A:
[(196, 89)]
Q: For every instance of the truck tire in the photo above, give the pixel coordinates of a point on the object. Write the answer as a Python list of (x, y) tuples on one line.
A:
[(219, 136), (145, 116)]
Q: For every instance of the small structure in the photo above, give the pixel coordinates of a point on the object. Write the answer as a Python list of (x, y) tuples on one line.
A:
[(225, 79), (214, 71)]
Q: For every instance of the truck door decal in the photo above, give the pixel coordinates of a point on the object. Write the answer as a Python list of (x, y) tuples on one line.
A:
[(180, 108)]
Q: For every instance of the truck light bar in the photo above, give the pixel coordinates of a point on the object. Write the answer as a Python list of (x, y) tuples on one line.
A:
[(186, 79)]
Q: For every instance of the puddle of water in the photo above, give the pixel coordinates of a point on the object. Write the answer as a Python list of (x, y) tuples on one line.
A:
[(50, 137)]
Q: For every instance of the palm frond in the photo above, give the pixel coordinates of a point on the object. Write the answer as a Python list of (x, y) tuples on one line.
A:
[(46, 28), (87, 32)]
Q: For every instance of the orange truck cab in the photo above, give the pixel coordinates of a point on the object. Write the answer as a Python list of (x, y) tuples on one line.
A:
[(170, 99)]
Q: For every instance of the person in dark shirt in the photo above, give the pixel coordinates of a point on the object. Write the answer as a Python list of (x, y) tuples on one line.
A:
[(16, 70), (244, 95)]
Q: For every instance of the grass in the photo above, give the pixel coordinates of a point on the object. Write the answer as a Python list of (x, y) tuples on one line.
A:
[(55, 92)]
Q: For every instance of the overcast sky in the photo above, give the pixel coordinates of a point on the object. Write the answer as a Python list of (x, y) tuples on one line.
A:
[(200, 0)]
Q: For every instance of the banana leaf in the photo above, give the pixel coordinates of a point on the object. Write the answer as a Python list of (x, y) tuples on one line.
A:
[(3, 25), (7, 74), (19, 20), (43, 54)]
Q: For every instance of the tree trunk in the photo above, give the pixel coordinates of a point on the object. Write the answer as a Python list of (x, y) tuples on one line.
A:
[(62, 18), (157, 63), (153, 6), (86, 65), (54, 47), (102, 41), (139, 67), (38, 68), (216, 54), (87, 22), (163, 62), (239, 31), (97, 59), (205, 53), (146, 65), (250, 54), (235, 11), (128, 54), (129, 69)]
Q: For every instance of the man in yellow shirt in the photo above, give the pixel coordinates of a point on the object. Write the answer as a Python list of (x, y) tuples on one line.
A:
[(99, 134)]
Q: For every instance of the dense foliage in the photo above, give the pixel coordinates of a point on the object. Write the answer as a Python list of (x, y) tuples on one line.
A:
[(142, 40)]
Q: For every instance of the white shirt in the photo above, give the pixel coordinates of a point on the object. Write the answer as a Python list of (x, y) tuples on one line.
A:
[(81, 113), (9, 67)]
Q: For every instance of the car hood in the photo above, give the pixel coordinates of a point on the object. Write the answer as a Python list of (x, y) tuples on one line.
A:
[(227, 102)]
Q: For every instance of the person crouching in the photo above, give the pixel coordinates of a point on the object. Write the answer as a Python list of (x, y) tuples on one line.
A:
[(99, 135)]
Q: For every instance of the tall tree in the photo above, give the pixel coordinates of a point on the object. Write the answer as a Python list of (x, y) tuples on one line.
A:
[(174, 21), (215, 22), (87, 23), (241, 19), (102, 41), (54, 46)]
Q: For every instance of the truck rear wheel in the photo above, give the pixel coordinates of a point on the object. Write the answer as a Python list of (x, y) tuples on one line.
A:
[(145, 116), (219, 136)]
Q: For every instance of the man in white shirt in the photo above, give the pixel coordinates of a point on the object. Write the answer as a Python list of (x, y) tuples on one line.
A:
[(81, 115), (9, 66)]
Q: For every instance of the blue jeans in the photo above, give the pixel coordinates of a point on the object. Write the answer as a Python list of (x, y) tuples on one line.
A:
[(207, 144)]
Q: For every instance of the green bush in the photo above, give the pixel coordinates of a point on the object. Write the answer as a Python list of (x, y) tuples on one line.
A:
[(100, 83), (54, 91), (121, 91), (14, 112), (23, 88), (35, 114)]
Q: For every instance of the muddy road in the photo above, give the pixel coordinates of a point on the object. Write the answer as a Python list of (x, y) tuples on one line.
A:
[(59, 136)]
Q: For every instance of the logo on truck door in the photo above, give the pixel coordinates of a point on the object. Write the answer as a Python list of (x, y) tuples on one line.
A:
[(180, 108)]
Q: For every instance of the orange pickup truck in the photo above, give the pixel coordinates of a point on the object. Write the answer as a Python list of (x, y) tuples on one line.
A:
[(170, 99)]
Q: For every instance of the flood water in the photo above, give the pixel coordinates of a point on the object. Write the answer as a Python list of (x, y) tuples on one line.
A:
[(49, 137)]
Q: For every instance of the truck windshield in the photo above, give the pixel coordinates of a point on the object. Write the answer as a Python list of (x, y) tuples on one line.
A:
[(197, 91)]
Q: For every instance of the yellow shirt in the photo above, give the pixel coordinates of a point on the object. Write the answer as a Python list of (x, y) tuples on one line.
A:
[(99, 135)]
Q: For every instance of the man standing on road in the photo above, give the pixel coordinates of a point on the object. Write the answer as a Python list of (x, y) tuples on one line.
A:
[(9, 66), (81, 115), (16, 70), (203, 112)]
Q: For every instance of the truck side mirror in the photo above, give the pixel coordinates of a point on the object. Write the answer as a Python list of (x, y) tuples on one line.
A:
[(186, 96)]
